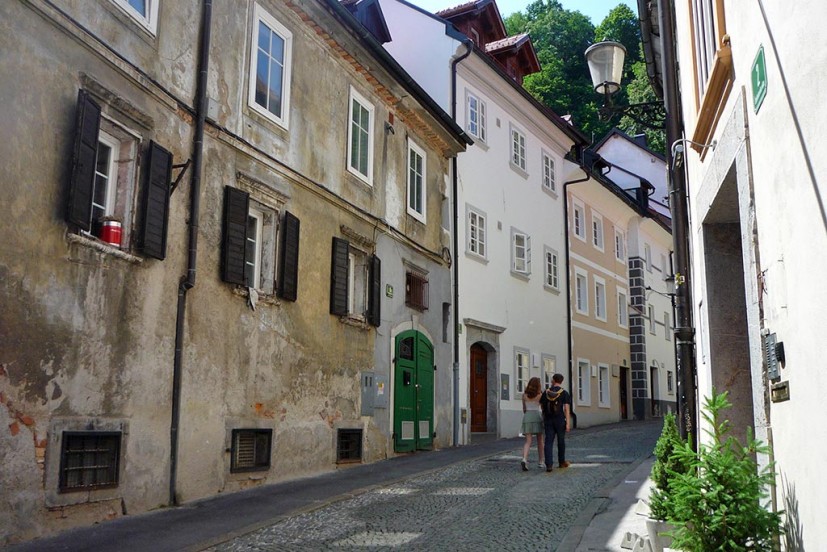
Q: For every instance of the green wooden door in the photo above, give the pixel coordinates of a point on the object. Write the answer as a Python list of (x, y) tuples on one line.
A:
[(413, 384)]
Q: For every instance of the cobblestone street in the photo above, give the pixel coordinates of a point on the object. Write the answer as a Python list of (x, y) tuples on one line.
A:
[(483, 504)]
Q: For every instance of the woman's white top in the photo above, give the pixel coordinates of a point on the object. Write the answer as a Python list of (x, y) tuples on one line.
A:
[(532, 404)]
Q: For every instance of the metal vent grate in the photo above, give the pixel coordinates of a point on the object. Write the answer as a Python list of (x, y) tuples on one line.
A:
[(349, 446), (251, 449)]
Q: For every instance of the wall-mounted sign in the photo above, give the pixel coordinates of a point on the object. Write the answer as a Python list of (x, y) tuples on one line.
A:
[(759, 79)]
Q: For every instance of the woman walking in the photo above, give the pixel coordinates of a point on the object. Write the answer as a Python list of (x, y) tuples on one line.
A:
[(532, 422)]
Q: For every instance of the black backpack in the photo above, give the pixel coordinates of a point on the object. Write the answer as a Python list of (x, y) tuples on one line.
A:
[(553, 403)]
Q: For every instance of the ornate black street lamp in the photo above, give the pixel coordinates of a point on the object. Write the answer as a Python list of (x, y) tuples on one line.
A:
[(605, 61)]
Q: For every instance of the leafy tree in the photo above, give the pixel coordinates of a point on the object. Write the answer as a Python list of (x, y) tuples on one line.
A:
[(561, 37)]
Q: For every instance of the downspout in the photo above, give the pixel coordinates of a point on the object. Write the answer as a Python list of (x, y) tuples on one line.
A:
[(678, 204), (188, 281), (568, 279), (454, 188)]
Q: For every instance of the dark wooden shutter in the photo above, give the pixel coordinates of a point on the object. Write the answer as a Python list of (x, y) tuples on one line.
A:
[(234, 243), (289, 258), (338, 277), (374, 291), (153, 238), (82, 183)]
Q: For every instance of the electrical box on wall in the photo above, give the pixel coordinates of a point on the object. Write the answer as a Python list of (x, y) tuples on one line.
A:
[(773, 355), (368, 393)]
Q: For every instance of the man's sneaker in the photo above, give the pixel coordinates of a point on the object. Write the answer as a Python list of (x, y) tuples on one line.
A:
[(524, 464), (541, 466), (565, 464)]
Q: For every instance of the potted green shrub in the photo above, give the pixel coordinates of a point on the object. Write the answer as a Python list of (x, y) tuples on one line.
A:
[(666, 463), (718, 503)]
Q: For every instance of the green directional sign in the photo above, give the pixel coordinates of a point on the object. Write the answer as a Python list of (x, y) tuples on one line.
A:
[(759, 79)]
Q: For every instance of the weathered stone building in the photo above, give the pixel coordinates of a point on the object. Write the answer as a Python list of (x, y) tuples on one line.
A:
[(224, 262)]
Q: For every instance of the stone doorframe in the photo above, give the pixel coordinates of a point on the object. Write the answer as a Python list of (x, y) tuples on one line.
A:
[(488, 337)]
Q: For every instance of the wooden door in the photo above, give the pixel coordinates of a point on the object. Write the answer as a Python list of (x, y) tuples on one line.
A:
[(479, 389)]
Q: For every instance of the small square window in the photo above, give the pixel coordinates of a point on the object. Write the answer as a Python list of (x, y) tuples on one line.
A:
[(251, 450), (89, 460), (416, 291)]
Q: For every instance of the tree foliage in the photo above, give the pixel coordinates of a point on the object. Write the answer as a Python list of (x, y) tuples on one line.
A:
[(560, 38)]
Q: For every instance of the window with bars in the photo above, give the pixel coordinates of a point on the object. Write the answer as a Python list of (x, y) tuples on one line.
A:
[(416, 291), (89, 460), (251, 450), (348, 446)]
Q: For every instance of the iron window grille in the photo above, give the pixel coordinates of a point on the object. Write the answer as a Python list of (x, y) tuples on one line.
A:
[(251, 450), (89, 460), (416, 291), (349, 446)]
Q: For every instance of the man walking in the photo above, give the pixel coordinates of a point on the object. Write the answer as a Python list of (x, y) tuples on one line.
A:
[(556, 406)]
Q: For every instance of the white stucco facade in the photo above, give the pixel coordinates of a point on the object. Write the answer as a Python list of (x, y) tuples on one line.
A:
[(757, 208)]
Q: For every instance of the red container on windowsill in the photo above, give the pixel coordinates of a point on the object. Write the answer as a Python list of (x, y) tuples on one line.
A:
[(111, 232)]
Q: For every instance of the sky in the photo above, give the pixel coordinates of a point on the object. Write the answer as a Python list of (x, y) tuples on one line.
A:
[(595, 10)]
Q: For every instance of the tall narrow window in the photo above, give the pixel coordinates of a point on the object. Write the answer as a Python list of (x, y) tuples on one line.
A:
[(620, 246), (647, 256), (549, 178), (476, 233), (416, 181), (521, 367), (476, 117), (520, 253), (579, 220), (360, 137), (518, 149), (106, 176), (583, 383), (552, 277), (252, 257), (581, 293), (270, 68), (603, 385), (652, 321), (597, 231), (667, 327), (622, 309), (549, 369), (599, 299)]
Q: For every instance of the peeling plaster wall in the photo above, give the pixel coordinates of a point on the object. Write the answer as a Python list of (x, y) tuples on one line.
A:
[(87, 332)]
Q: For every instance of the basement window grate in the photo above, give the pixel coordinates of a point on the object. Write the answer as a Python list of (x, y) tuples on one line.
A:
[(349, 446), (251, 450), (89, 460)]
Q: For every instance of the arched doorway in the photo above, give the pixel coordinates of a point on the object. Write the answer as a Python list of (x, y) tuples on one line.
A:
[(413, 392)]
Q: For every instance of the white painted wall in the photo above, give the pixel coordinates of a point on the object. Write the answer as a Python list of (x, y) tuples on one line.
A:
[(784, 229), (420, 45)]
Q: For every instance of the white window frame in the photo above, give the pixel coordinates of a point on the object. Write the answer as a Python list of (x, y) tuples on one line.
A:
[(355, 96), (599, 298), (357, 281), (476, 116), (148, 20), (111, 175), (520, 254), (267, 239), (578, 220), (597, 231), (584, 384), (604, 398), (652, 321), (549, 368), (620, 246), (581, 291), (415, 178), (551, 267), (258, 216), (549, 175), (518, 149), (262, 16), (476, 243), (647, 256), (521, 367), (622, 308)]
